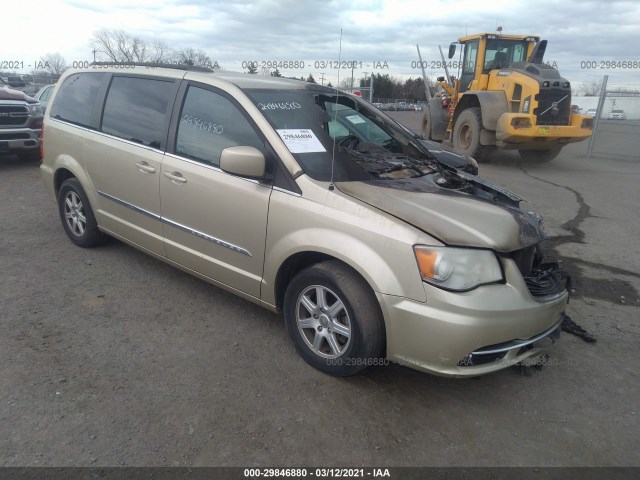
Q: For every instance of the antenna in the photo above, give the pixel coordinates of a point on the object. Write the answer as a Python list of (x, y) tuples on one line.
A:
[(335, 116)]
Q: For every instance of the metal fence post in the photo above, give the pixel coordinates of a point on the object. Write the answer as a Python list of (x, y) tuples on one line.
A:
[(603, 94)]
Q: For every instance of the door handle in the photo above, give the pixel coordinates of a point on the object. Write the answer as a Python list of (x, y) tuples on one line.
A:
[(144, 167), (175, 177)]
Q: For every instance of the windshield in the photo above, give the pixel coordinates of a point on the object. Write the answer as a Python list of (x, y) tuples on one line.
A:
[(312, 119), (502, 53)]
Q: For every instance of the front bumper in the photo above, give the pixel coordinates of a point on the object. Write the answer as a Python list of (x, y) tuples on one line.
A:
[(540, 136), (19, 140), (459, 334)]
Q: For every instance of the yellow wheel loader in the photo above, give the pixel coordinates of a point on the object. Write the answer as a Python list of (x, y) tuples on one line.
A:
[(505, 97)]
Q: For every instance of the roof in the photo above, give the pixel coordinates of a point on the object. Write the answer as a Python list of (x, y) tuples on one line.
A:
[(241, 80), (474, 36)]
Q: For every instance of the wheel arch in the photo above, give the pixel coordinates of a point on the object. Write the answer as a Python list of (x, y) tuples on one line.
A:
[(68, 167), (60, 176), (492, 105), (290, 268), (297, 262)]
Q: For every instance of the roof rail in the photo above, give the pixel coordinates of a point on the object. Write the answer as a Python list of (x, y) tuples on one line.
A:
[(176, 66)]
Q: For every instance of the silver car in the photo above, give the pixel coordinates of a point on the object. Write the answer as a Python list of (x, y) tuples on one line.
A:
[(308, 202)]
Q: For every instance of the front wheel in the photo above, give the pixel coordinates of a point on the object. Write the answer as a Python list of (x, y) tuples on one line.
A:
[(466, 135), (539, 155), (334, 320)]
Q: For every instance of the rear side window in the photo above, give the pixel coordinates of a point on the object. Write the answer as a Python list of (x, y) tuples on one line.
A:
[(75, 98), (136, 109), (209, 123)]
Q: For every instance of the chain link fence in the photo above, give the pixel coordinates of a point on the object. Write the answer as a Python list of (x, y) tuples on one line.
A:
[(616, 125), (398, 104)]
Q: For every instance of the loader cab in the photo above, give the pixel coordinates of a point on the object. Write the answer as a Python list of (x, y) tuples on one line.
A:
[(501, 53), (485, 52), (469, 63)]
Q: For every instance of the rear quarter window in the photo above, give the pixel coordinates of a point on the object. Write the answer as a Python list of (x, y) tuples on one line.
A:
[(76, 97), (137, 109)]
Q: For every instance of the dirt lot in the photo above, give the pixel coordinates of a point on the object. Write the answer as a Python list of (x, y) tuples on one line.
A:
[(109, 357)]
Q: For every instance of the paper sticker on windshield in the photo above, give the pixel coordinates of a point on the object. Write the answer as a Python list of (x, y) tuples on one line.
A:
[(355, 119), (300, 140)]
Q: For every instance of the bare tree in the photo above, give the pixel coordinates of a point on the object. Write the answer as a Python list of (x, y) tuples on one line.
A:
[(159, 52), (591, 88), (191, 56), (53, 63), (105, 45), (345, 83), (119, 46)]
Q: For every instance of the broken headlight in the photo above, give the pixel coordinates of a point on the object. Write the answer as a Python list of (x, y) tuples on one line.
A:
[(458, 269)]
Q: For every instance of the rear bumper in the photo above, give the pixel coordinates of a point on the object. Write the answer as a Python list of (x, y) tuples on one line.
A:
[(539, 137)]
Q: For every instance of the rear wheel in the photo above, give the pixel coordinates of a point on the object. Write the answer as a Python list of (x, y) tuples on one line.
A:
[(466, 135), (334, 319), (77, 216), (539, 155)]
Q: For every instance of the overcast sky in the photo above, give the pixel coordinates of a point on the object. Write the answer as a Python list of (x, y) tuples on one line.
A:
[(374, 32)]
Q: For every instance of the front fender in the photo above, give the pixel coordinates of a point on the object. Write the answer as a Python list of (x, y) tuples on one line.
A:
[(379, 247)]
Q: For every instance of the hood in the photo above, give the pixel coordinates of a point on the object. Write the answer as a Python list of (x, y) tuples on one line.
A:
[(450, 157), (459, 219), (7, 93)]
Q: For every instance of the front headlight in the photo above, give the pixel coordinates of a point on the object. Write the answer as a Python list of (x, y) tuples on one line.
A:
[(457, 269), (35, 110)]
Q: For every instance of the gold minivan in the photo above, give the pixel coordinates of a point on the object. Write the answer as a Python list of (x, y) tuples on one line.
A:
[(309, 201)]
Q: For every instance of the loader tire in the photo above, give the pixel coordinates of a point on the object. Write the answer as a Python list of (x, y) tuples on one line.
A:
[(466, 135)]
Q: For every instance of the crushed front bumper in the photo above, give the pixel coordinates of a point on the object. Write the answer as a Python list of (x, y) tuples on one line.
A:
[(463, 334)]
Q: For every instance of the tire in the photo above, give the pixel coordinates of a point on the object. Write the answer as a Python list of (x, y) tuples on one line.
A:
[(539, 155), (334, 319), (466, 135), (77, 216)]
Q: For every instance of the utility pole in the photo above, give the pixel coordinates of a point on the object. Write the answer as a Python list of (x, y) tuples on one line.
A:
[(94, 55), (322, 78)]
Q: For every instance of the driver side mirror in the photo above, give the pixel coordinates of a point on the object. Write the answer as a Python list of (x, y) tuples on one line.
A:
[(243, 161), (452, 50)]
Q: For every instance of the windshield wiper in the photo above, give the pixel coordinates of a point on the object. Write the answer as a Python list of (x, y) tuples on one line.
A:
[(383, 164)]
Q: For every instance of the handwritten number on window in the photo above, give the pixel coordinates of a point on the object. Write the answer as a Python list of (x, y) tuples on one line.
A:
[(201, 124)]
